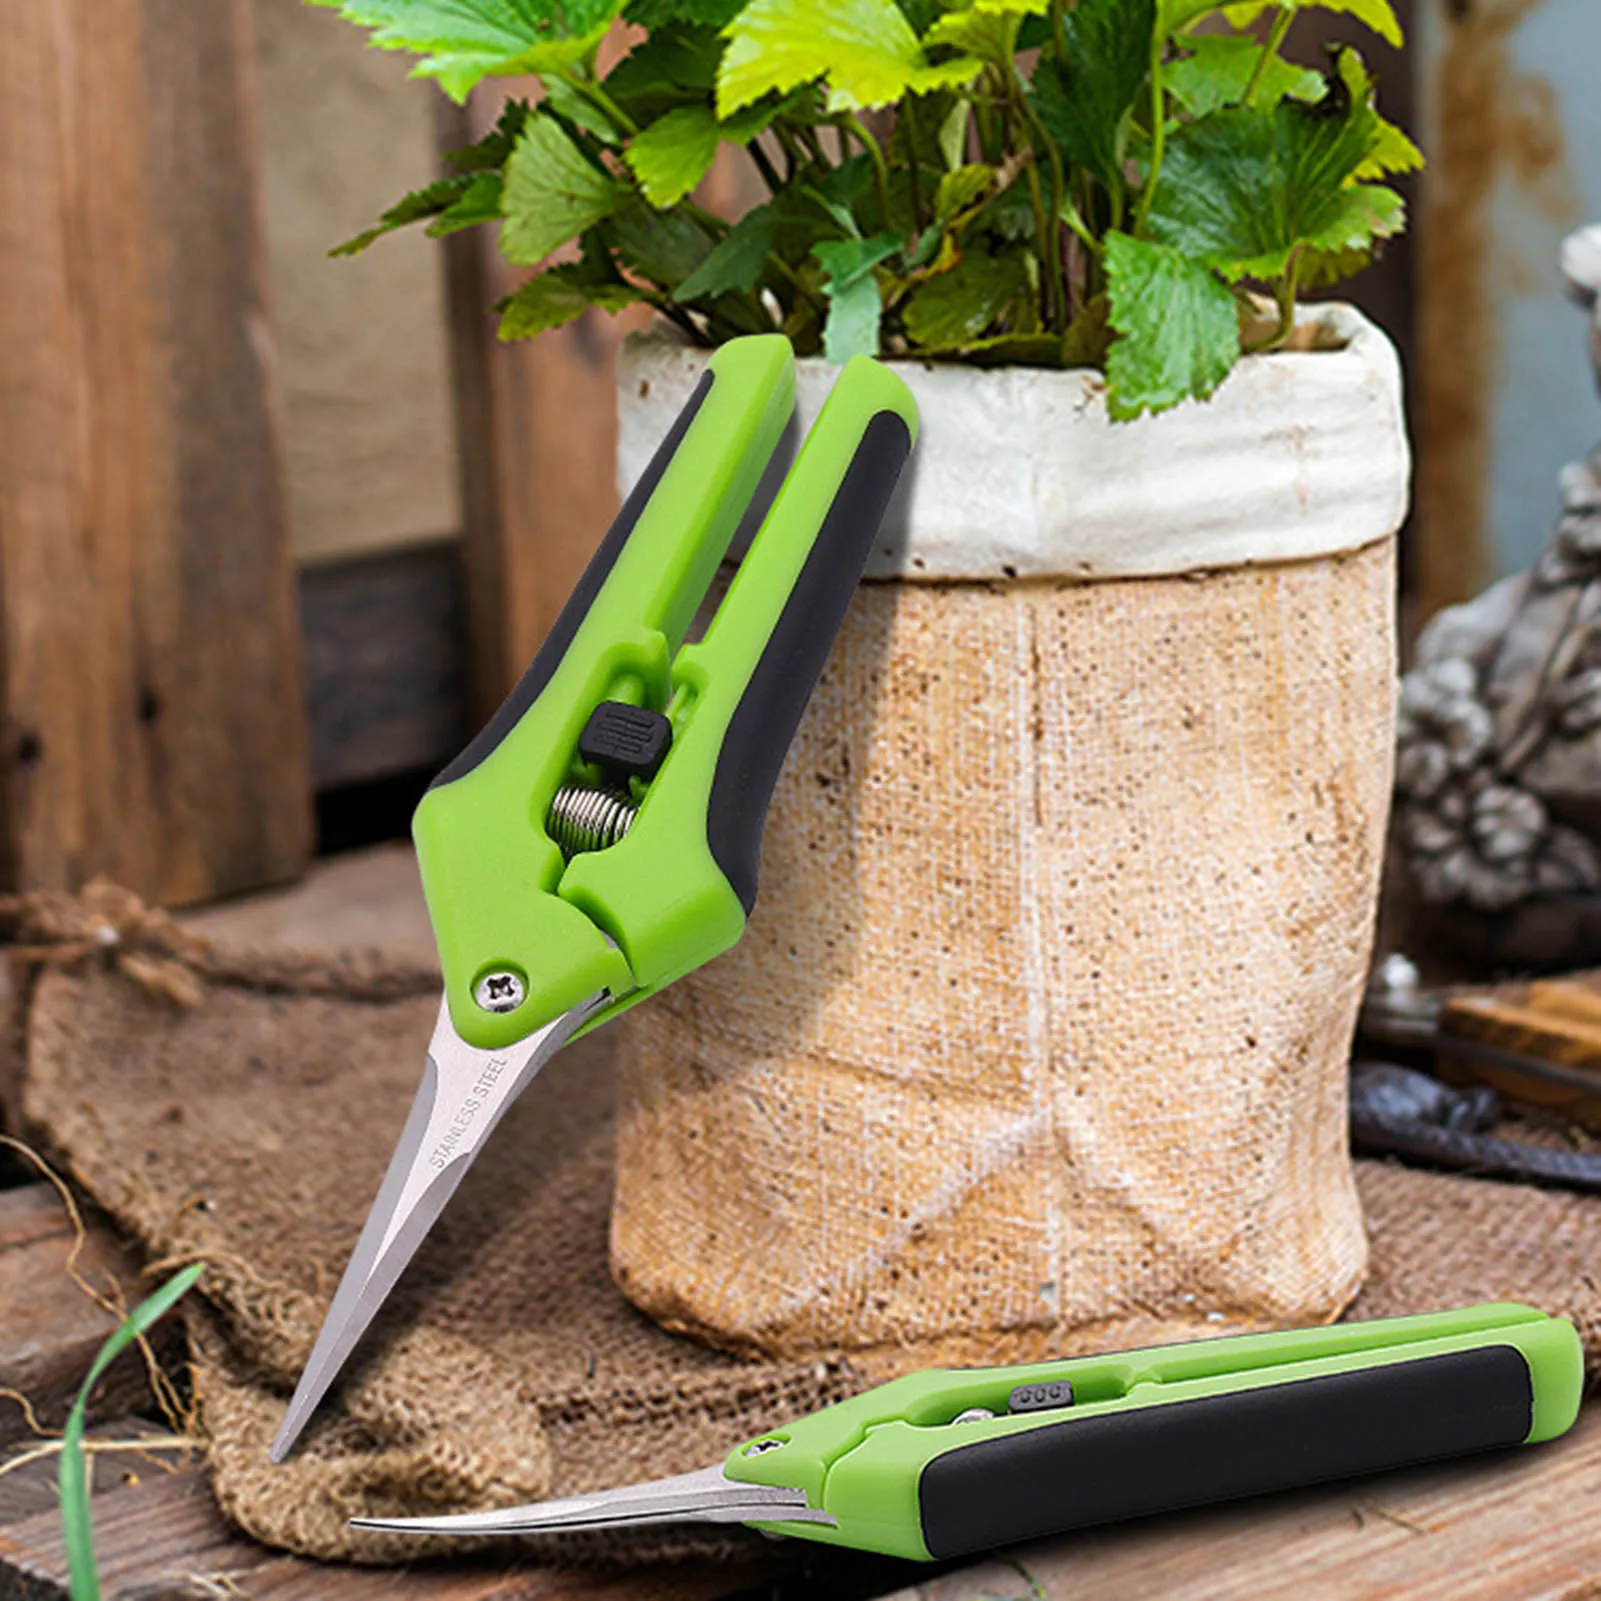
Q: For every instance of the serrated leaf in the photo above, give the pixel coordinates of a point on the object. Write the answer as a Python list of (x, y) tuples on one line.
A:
[(988, 34), (1393, 151), (497, 144), (956, 307), (864, 50), (853, 299), (1242, 188), (1084, 98), (461, 42), (1379, 15), (1177, 325), (736, 261), (663, 246), (480, 203), (671, 155), (962, 188), (1010, 215), (1219, 67), (557, 296), (428, 201), (552, 193), (675, 67)]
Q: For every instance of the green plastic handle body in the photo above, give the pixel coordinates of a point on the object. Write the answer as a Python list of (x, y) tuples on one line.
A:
[(872, 1461), (671, 894)]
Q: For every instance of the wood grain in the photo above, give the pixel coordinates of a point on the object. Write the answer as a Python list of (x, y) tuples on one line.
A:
[(536, 430), (49, 1329), (1515, 1524), (163, 1536), (385, 663), (152, 727)]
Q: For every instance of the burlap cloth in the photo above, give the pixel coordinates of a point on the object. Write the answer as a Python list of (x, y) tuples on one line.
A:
[(240, 1110)]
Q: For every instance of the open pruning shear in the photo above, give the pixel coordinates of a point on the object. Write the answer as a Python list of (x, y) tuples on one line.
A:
[(599, 838), (942, 1464)]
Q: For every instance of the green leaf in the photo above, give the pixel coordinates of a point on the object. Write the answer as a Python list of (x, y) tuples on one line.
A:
[(552, 193), (1177, 325), (1177, 15), (72, 1478), (577, 108), (736, 261), (1084, 100), (1241, 188), (853, 299), (953, 132), (989, 35), (663, 246), (497, 144), (864, 49), (1391, 152), (460, 42), (1219, 67), (962, 188), (675, 67), (1379, 15), (956, 307), (480, 203), (671, 155), (557, 296), (428, 201)]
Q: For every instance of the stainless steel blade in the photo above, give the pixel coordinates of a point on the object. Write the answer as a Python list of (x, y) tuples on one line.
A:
[(706, 1496), (464, 1093)]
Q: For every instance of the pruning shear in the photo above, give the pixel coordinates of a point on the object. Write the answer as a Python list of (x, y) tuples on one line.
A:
[(599, 838), (943, 1464)]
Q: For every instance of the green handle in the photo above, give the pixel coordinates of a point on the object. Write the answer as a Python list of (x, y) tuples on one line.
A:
[(1250, 1413), (676, 890)]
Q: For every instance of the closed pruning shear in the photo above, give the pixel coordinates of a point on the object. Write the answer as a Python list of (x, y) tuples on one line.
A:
[(599, 838), (942, 1464)]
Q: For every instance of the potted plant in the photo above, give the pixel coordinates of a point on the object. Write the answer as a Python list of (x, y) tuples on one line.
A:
[(1040, 1033)]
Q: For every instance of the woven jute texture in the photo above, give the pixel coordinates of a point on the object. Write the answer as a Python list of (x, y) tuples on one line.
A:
[(1040, 1025), (243, 1117)]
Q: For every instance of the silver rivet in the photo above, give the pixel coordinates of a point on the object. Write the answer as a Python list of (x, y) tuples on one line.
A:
[(762, 1447), (974, 1414), (500, 991)]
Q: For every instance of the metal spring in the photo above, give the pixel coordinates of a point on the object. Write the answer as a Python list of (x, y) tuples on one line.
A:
[(588, 819)]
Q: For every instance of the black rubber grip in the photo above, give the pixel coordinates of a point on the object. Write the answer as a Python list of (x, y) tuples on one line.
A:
[(550, 653), (769, 712), (1086, 1471)]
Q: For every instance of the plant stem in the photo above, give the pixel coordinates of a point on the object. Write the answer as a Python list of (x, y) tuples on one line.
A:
[(1275, 38), (1158, 132), (1284, 292), (913, 175), (597, 96), (1050, 234), (880, 167), (1059, 29), (765, 167)]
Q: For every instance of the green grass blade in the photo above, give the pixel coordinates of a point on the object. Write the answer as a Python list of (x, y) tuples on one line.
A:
[(73, 1478)]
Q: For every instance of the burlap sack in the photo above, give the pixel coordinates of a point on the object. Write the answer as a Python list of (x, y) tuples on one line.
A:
[(240, 1110), (1041, 1023)]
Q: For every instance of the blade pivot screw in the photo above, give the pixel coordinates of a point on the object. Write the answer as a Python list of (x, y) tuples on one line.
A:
[(500, 991)]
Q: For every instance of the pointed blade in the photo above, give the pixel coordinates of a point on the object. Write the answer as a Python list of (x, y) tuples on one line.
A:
[(707, 1496), (464, 1093)]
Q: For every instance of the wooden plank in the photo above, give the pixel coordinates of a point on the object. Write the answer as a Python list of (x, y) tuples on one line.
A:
[(30, 1489), (536, 429), (152, 722), (165, 1537), (385, 663), (366, 900), (1518, 1523), (51, 1329)]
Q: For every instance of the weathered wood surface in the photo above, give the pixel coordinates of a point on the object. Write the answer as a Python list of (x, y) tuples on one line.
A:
[(385, 663), (49, 1328), (153, 727), (164, 1537), (1508, 1527)]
